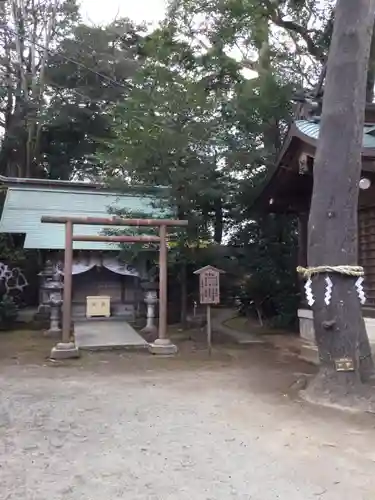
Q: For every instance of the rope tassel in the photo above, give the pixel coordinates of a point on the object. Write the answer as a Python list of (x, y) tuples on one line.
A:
[(360, 290), (309, 294), (328, 294)]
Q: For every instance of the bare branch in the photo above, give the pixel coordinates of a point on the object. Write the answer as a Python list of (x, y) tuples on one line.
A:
[(277, 18), (17, 11)]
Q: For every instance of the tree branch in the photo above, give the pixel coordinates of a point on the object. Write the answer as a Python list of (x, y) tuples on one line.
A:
[(277, 18)]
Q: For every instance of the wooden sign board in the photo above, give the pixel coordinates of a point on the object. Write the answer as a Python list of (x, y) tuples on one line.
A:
[(209, 291), (209, 284)]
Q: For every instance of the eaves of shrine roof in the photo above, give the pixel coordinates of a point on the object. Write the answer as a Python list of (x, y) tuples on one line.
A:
[(309, 130)]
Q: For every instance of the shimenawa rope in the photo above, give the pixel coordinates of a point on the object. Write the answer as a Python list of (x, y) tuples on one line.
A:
[(308, 272)]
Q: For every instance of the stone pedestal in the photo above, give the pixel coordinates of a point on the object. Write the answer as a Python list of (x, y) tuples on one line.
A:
[(162, 347), (44, 277), (52, 287), (65, 351), (54, 329), (151, 299), (43, 313)]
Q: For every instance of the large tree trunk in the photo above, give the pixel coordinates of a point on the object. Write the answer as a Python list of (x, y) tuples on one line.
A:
[(371, 70), (183, 275), (339, 326), (271, 130), (219, 222), (184, 295)]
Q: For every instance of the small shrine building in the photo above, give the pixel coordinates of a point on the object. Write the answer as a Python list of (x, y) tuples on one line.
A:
[(98, 268)]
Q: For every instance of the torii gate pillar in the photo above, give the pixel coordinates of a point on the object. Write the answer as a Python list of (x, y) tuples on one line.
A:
[(163, 345)]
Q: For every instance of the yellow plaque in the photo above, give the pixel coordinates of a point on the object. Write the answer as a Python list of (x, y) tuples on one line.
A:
[(344, 365)]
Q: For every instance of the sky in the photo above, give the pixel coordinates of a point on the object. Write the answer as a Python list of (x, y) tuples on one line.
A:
[(103, 11)]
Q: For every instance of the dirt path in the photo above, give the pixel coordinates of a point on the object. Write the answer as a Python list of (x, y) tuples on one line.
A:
[(127, 426)]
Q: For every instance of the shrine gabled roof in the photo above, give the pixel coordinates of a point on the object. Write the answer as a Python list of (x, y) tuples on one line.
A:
[(311, 128), (27, 202)]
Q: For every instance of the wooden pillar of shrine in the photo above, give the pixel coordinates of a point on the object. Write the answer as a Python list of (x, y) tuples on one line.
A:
[(303, 220)]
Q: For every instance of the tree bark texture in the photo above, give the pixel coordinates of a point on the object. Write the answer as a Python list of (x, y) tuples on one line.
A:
[(339, 327), (271, 129), (184, 295), (371, 70), (219, 221)]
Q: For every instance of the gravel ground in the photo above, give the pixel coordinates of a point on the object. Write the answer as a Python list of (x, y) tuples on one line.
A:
[(173, 433)]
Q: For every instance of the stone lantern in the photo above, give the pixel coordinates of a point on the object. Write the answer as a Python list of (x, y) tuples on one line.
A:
[(53, 289)]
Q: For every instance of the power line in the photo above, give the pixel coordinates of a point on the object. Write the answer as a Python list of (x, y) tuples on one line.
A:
[(83, 96), (69, 59), (70, 89)]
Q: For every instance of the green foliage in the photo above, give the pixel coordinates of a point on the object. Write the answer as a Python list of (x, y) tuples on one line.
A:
[(57, 88), (297, 31), (266, 251), (8, 312), (9, 252), (200, 107), (88, 74), (195, 123), (29, 31), (171, 132)]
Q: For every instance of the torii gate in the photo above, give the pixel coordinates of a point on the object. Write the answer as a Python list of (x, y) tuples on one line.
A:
[(162, 345)]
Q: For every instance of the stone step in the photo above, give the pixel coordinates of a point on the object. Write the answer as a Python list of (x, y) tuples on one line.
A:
[(107, 335), (309, 353)]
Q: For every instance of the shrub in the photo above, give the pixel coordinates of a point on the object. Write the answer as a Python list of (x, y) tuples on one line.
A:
[(8, 312)]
